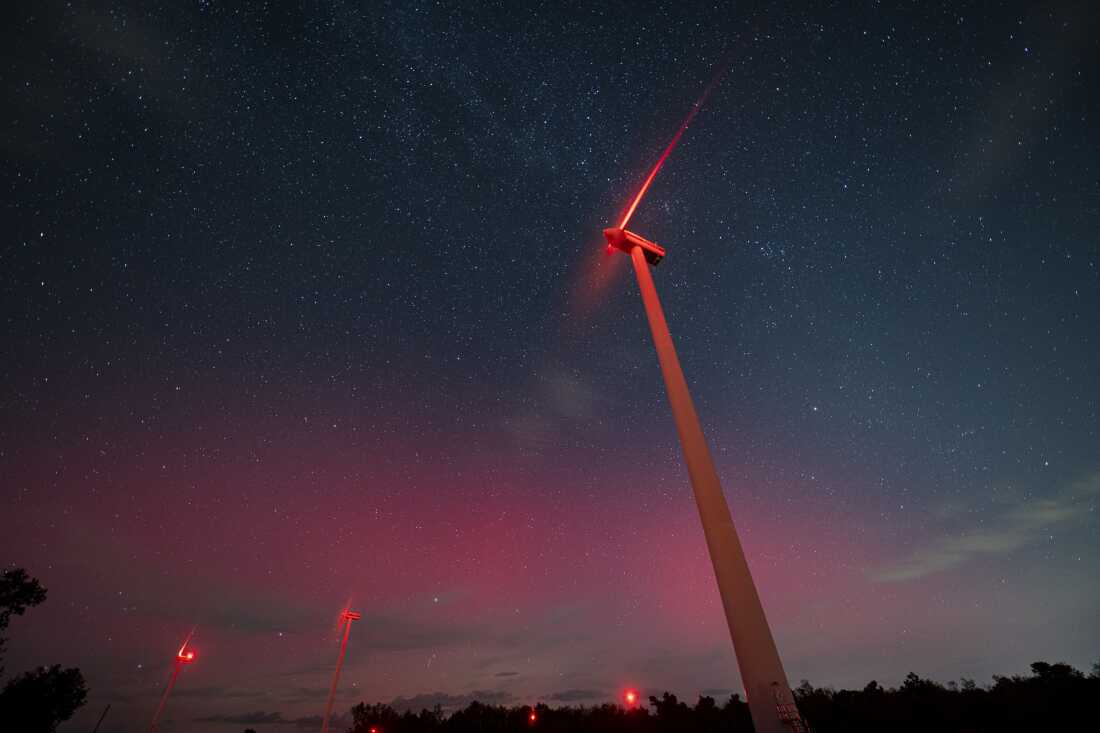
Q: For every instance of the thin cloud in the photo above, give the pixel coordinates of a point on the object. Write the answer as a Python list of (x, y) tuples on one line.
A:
[(578, 695), (259, 717), (563, 399), (1016, 527), (391, 633), (216, 692), (313, 722), (262, 717), (427, 701)]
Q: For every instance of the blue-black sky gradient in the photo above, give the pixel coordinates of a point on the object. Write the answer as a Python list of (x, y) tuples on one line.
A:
[(307, 304)]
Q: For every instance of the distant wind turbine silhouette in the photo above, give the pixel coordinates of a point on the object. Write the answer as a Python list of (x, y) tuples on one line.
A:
[(183, 657), (346, 617)]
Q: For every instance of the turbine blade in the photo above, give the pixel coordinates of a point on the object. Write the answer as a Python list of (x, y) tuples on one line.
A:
[(187, 640), (723, 66)]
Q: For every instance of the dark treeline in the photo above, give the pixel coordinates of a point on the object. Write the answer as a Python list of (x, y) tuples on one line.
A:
[(1052, 697)]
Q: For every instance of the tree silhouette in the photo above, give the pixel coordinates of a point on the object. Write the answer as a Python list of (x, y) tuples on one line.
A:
[(36, 702), (39, 700), (18, 592)]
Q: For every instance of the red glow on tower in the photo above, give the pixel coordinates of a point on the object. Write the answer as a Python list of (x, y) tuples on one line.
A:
[(631, 697)]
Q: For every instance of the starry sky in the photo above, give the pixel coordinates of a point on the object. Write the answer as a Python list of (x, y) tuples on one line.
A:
[(307, 305)]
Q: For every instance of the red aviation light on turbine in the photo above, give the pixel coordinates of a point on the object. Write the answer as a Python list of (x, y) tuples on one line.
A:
[(625, 240), (631, 697), (350, 616), (185, 655)]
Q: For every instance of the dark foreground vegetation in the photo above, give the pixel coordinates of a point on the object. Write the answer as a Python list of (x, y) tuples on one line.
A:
[(38, 700), (1053, 697)]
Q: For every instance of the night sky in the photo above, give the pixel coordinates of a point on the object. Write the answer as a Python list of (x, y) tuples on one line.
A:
[(303, 306)]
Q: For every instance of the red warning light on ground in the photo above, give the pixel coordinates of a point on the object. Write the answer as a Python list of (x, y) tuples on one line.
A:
[(532, 717)]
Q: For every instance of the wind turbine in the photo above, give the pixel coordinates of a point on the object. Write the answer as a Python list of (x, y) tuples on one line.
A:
[(183, 657), (345, 618), (771, 702)]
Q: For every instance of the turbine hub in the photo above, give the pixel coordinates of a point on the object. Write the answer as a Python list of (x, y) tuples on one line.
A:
[(625, 241)]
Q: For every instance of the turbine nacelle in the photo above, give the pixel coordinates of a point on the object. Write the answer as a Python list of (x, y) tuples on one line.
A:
[(625, 240)]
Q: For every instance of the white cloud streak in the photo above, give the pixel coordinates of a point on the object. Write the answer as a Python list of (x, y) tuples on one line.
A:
[(1016, 527)]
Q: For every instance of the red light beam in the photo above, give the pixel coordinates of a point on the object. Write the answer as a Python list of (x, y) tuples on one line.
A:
[(723, 66)]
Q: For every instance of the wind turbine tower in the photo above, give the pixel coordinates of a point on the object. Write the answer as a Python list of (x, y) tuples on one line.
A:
[(771, 702), (346, 618)]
